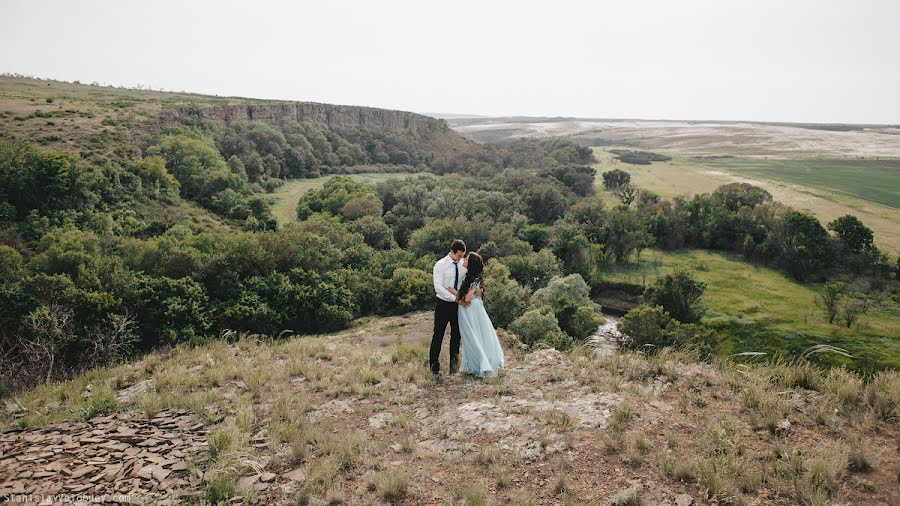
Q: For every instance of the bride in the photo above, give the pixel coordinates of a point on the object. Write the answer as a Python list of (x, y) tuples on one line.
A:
[(482, 355)]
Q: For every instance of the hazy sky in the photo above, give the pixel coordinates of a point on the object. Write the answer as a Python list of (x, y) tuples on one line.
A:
[(779, 60)]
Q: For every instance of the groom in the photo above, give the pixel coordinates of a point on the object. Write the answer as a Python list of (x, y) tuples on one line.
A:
[(447, 272)]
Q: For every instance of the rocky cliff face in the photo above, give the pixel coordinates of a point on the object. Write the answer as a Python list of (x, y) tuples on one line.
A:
[(432, 135), (332, 116)]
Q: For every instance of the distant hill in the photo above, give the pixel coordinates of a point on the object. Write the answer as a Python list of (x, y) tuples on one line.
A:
[(698, 137)]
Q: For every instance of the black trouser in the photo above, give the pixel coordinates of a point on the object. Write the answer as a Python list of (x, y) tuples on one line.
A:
[(444, 312)]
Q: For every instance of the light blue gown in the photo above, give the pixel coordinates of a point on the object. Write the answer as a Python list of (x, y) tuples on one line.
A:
[(482, 355)]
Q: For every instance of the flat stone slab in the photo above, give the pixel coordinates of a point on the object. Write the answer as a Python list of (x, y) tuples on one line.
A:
[(106, 455)]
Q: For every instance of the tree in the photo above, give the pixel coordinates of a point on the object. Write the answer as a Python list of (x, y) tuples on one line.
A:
[(803, 244), (615, 178), (544, 203), (830, 296), (624, 233), (577, 178), (375, 232), (272, 166), (504, 299), (536, 235), (853, 234), (46, 182), (485, 236), (170, 311), (591, 217), (626, 193), (190, 160), (854, 308), (734, 196), (574, 249), (255, 167), (237, 167), (533, 271), (358, 207), (679, 294), (11, 265)]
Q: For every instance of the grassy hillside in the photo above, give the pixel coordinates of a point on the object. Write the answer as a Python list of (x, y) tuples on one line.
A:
[(781, 313), (146, 292), (355, 418), (82, 118)]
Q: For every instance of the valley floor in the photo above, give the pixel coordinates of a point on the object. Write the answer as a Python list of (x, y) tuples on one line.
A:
[(285, 198), (355, 418), (747, 294)]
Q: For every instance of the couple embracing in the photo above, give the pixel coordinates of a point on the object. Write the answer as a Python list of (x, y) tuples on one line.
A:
[(459, 286)]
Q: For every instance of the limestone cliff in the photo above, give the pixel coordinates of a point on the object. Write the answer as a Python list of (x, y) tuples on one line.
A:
[(432, 135), (332, 116)]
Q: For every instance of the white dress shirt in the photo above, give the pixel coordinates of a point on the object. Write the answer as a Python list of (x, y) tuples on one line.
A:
[(443, 277)]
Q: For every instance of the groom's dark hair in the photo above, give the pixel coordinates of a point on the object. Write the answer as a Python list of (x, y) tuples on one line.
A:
[(457, 245)]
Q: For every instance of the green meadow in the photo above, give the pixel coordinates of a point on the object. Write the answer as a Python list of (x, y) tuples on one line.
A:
[(760, 309), (874, 180)]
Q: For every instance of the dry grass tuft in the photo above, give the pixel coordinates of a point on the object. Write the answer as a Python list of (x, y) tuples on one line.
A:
[(473, 494), (392, 486)]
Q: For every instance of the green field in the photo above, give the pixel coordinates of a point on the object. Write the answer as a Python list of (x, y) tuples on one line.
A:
[(285, 198), (873, 180), (761, 309)]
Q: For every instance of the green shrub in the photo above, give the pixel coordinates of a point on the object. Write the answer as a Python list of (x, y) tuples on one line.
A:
[(568, 298), (534, 270), (11, 265), (337, 196), (646, 325), (301, 301), (539, 326), (651, 326), (537, 235), (504, 299), (434, 238), (679, 294), (170, 311), (580, 322), (375, 232), (408, 290), (692, 335)]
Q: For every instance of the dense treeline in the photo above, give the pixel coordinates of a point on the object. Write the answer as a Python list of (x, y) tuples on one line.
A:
[(291, 149), (95, 267), (98, 261)]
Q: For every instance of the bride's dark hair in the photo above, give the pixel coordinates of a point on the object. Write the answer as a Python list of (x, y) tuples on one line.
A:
[(475, 273)]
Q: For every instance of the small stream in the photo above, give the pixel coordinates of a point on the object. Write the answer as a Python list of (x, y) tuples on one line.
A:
[(605, 339)]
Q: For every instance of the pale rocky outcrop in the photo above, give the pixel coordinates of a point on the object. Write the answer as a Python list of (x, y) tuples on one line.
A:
[(331, 116)]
